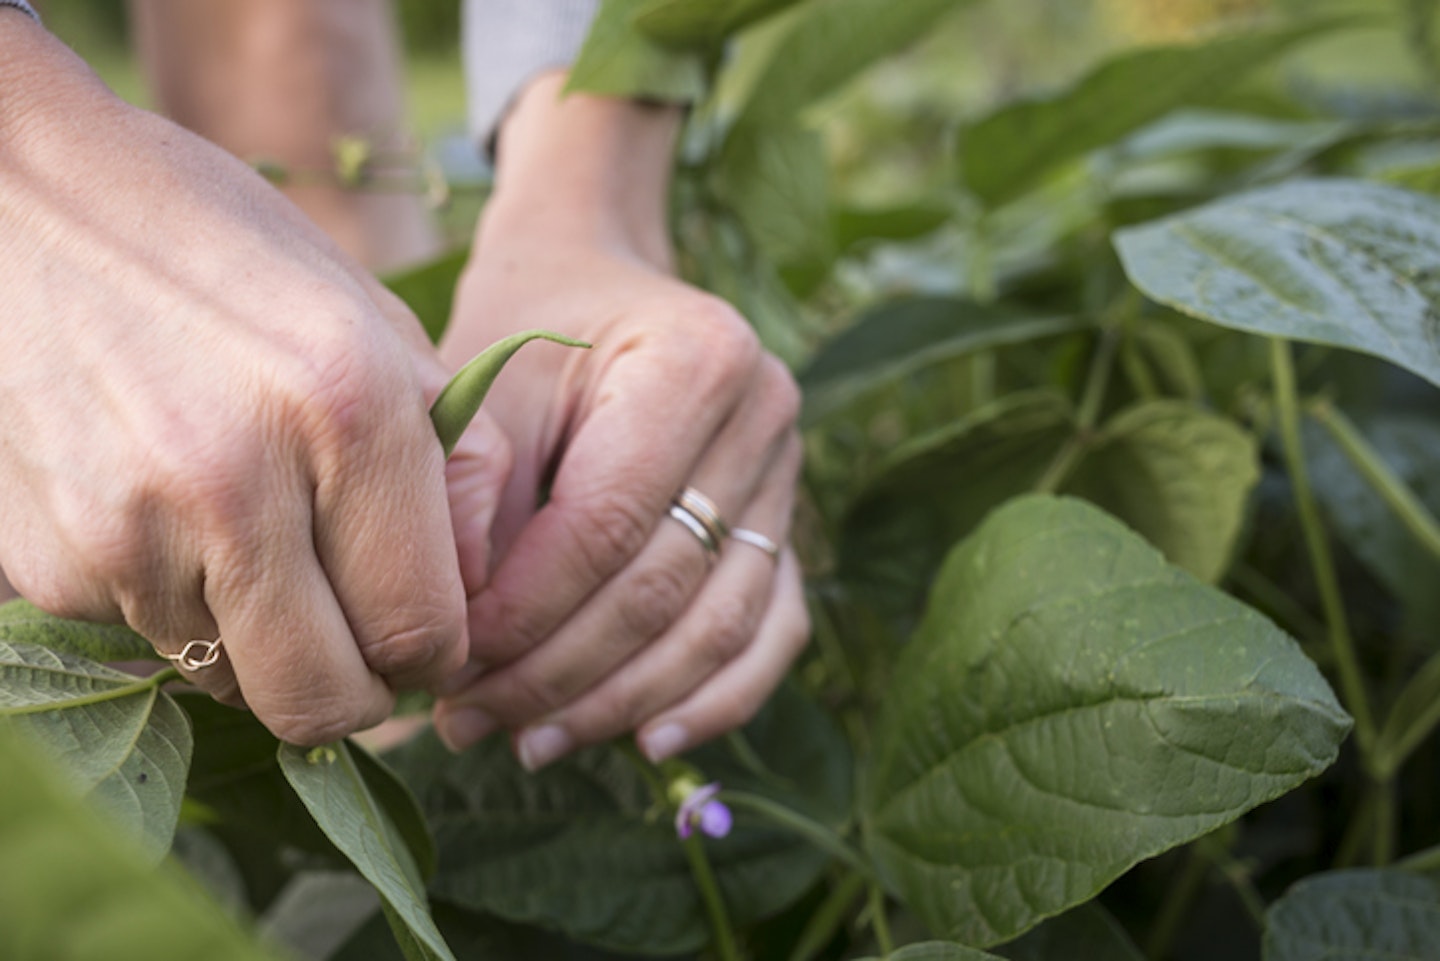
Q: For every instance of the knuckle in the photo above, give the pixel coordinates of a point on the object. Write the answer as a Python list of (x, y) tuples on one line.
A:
[(528, 696), (731, 344), (781, 393), (652, 601), (319, 724), (729, 627), (609, 530), (415, 648)]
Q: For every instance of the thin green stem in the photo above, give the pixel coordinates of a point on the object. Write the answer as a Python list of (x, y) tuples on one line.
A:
[(1422, 862), (1176, 906), (1402, 501), (1352, 682), (710, 894), (137, 686), (828, 918), (1092, 400), (1360, 830), (880, 921), (1383, 850), (1395, 746), (808, 828)]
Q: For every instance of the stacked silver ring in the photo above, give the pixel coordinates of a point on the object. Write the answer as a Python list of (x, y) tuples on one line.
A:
[(701, 518)]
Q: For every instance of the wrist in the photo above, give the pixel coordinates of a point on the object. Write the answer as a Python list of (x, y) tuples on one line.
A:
[(587, 169)]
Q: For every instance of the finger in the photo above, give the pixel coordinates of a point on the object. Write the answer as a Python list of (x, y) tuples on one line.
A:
[(629, 455), (288, 640), (382, 528), (475, 477), (673, 715)]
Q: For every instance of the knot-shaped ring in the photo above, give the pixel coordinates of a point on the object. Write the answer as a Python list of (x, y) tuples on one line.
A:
[(196, 655)]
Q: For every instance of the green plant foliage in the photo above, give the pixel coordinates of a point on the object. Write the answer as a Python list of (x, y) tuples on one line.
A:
[(935, 951), (579, 847), (429, 290), (775, 181), (72, 889), (619, 60), (704, 24), (1356, 914), (331, 784), (1088, 932), (1010, 151), (1177, 474), (888, 343), (1070, 706), (934, 489), (23, 622), (123, 742), (1342, 263)]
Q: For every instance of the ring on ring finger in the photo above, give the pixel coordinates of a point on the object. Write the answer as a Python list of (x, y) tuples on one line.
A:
[(196, 655)]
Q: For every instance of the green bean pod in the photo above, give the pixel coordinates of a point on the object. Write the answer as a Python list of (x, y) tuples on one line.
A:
[(460, 401)]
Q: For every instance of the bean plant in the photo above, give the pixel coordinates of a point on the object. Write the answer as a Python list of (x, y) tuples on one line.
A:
[(1119, 520)]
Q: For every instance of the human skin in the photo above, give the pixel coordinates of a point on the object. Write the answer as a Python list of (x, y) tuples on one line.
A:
[(603, 615), (216, 421)]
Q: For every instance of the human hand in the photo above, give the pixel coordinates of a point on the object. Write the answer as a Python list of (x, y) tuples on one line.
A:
[(604, 615), (215, 423)]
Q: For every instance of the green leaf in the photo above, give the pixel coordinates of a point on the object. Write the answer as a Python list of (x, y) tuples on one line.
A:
[(429, 290), (119, 738), (937, 951), (852, 226), (1361, 914), (331, 784), (1178, 475), (891, 342), (933, 490), (578, 847), (701, 23), (1336, 262), (23, 623), (775, 180), (460, 399), (620, 60), (1011, 151), (1087, 932), (827, 44), (72, 889), (1071, 706)]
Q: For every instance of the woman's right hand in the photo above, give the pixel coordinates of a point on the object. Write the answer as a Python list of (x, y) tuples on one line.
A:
[(214, 423)]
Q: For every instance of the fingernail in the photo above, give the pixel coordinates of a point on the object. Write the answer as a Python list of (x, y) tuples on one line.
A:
[(665, 741), (539, 746), (463, 726)]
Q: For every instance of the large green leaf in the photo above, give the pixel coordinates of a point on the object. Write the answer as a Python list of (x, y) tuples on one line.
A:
[(1010, 151), (774, 180), (333, 787), (1356, 916), (578, 847), (23, 623), (121, 740), (1087, 932), (1177, 474), (827, 43), (620, 60), (932, 491), (890, 342), (72, 889), (1071, 706), (1337, 262), (701, 23)]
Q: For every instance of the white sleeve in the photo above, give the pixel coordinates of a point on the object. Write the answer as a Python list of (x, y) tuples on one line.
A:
[(507, 42), (20, 5)]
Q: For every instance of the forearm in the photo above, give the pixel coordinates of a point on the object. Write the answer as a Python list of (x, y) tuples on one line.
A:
[(281, 81), (586, 168)]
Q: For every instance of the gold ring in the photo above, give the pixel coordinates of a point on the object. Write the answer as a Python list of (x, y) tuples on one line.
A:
[(756, 539), (703, 509), (697, 527), (196, 655)]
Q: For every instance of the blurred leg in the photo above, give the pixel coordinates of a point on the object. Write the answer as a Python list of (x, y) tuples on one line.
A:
[(280, 80)]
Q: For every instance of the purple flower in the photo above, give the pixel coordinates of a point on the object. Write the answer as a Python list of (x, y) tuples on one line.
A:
[(700, 809)]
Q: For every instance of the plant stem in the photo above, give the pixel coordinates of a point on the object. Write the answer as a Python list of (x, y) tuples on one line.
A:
[(1407, 507), (879, 922), (1383, 851), (1097, 380), (710, 895), (1422, 862), (828, 917), (1352, 682), (139, 685), (1394, 750), (812, 830), (1175, 906)]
